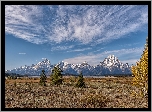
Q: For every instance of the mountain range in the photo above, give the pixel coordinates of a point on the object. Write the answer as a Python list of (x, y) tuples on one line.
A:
[(110, 65)]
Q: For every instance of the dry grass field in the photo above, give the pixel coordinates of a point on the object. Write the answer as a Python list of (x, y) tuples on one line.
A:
[(99, 93)]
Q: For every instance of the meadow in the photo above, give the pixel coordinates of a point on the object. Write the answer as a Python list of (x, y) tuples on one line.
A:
[(107, 92)]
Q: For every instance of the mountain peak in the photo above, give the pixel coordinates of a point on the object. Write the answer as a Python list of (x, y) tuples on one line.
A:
[(44, 62), (110, 60), (85, 62), (111, 56)]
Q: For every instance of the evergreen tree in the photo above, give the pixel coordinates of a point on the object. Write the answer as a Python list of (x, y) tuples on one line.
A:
[(80, 83), (43, 77), (56, 77), (140, 71)]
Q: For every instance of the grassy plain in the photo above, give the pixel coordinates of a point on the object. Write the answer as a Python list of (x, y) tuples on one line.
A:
[(105, 92)]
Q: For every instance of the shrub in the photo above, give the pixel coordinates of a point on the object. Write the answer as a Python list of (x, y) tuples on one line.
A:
[(15, 84), (72, 80), (14, 77), (80, 83)]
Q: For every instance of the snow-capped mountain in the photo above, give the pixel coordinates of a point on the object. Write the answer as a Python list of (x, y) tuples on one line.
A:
[(34, 69), (110, 65)]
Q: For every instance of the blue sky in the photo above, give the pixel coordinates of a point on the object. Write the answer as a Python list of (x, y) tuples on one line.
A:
[(74, 34)]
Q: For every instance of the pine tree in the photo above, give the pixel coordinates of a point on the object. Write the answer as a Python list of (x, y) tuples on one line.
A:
[(43, 77), (56, 77), (140, 71), (80, 83)]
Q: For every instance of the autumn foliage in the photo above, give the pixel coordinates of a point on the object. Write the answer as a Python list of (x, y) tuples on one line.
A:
[(140, 71)]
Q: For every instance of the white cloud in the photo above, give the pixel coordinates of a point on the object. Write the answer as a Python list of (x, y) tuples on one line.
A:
[(124, 45), (22, 21), (130, 61), (94, 59), (99, 49), (77, 50), (86, 24), (61, 48), (76, 60), (21, 53)]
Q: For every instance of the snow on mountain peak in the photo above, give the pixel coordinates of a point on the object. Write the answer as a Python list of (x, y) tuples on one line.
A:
[(110, 60), (111, 57), (84, 62), (44, 62)]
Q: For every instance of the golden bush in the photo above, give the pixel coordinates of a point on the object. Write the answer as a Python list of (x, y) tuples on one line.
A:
[(140, 71)]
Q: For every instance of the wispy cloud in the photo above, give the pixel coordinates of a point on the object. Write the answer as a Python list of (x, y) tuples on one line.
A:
[(21, 53), (94, 59), (86, 24), (99, 49), (61, 48), (77, 50), (126, 45)]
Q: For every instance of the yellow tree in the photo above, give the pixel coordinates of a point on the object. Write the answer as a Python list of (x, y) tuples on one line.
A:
[(140, 71)]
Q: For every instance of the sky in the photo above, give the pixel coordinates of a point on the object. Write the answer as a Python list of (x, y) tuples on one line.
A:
[(74, 33)]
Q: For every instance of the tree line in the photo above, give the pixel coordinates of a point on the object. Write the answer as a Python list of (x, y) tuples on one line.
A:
[(57, 78)]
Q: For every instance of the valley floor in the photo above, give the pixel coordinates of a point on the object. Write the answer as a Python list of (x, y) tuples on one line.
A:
[(99, 93)]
